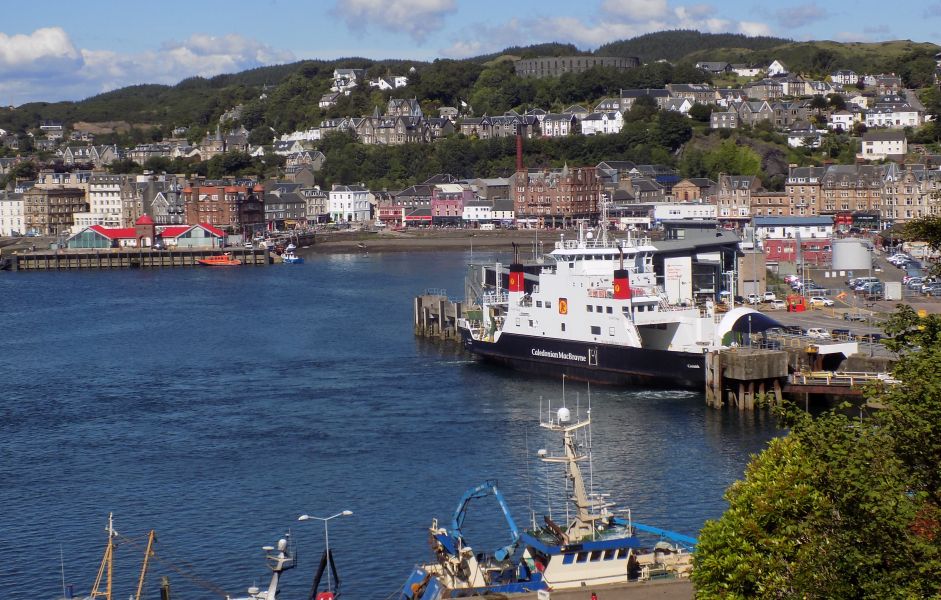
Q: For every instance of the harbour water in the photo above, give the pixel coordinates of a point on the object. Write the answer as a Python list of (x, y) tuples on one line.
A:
[(216, 405)]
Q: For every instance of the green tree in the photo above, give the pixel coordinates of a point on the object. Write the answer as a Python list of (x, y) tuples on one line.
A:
[(672, 130), (843, 506), (701, 112), (124, 166), (732, 158)]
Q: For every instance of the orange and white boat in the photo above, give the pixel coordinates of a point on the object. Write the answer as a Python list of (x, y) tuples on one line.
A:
[(219, 260)]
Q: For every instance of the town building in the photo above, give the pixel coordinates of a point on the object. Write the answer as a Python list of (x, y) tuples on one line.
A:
[(238, 208), (554, 66), (556, 198), (879, 145), (51, 211), (348, 204)]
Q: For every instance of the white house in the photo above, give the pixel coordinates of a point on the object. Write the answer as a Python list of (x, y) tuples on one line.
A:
[(680, 105), (104, 203), (559, 125), (777, 228), (344, 80), (841, 119), (389, 83), (746, 71), (878, 145), (776, 68), (503, 210), (477, 211), (802, 135), (348, 204), (308, 135), (12, 215), (844, 77), (672, 211), (602, 123), (894, 116)]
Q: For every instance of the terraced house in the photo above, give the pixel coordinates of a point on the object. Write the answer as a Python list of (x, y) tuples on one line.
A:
[(555, 198)]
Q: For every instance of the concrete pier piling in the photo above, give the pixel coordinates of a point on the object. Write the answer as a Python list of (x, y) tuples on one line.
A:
[(436, 316), (129, 258)]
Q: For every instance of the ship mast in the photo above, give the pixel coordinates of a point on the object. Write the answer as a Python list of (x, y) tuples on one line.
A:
[(107, 564), (583, 525)]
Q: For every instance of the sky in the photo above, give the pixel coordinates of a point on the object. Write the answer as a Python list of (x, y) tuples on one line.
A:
[(73, 50)]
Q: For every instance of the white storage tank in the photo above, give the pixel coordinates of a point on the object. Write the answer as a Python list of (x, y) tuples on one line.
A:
[(852, 254)]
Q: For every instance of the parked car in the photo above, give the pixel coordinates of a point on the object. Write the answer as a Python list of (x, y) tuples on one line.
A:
[(928, 289), (753, 299), (820, 301), (841, 333), (851, 316), (818, 332), (769, 297), (813, 287), (793, 329), (778, 304)]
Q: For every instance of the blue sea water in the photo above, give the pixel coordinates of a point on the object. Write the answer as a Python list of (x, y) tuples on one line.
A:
[(217, 405)]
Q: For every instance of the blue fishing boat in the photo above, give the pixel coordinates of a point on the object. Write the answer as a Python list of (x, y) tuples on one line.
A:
[(595, 548), (289, 257)]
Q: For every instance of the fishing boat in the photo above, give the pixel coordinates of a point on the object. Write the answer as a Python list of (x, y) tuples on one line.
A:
[(220, 260), (594, 548), (289, 258), (594, 311)]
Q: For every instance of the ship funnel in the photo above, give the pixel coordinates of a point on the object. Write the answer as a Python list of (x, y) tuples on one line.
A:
[(517, 275), (564, 415)]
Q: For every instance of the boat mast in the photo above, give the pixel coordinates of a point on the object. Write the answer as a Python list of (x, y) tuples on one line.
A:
[(107, 564), (151, 538), (584, 520)]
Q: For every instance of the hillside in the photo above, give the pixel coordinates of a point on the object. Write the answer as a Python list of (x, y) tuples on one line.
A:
[(678, 45), (285, 97)]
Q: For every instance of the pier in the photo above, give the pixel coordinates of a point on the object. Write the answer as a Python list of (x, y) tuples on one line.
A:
[(436, 315), (129, 258)]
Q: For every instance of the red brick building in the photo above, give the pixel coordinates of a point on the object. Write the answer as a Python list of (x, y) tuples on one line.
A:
[(238, 208), (556, 198)]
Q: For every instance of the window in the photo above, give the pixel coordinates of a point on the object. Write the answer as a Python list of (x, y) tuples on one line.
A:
[(582, 557), (599, 309), (539, 304), (622, 553), (595, 330), (596, 555), (590, 308), (609, 554), (568, 559), (609, 310), (563, 326)]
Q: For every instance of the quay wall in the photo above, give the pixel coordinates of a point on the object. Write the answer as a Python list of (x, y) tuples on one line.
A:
[(129, 258)]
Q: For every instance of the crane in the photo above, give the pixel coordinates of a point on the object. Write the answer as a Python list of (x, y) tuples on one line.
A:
[(488, 488)]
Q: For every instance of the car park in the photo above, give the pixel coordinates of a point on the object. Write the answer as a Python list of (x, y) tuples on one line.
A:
[(820, 301), (818, 332)]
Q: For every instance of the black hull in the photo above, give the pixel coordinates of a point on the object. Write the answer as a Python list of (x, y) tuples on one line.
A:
[(597, 363)]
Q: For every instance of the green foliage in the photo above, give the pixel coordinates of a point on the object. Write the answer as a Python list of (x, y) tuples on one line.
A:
[(843, 506), (125, 165), (701, 113), (24, 170), (678, 44), (732, 158)]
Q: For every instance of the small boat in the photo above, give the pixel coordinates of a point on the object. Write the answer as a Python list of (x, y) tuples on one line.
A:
[(220, 260), (591, 549), (290, 258)]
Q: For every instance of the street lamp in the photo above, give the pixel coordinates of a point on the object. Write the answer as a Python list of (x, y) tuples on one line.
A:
[(326, 535)]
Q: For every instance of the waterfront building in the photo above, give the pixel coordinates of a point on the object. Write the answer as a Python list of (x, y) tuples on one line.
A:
[(348, 204), (556, 198), (476, 212), (851, 188), (734, 199), (51, 211), (447, 203), (316, 200), (782, 228), (285, 207), (695, 189), (239, 208), (12, 215)]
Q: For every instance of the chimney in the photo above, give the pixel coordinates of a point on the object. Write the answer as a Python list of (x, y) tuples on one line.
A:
[(519, 150)]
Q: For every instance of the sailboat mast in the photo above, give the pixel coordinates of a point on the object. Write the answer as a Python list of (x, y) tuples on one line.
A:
[(151, 537)]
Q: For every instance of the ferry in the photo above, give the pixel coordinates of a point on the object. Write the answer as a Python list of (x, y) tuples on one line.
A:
[(220, 260), (595, 548), (596, 313)]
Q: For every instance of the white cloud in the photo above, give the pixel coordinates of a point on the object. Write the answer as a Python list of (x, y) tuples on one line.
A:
[(56, 70), (44, 49), (753, 28), (800, 15), (617, 20), (635, 10), (417, 18)]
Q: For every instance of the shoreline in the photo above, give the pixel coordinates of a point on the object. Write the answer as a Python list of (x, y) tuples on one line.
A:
[(457, 240)]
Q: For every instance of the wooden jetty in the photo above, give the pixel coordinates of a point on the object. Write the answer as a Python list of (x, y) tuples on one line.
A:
[(129, 258)]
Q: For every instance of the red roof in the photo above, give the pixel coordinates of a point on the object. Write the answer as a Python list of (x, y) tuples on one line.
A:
[(144, 220), (178, 230), (174, 231), (115, 233), (213, 230)]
